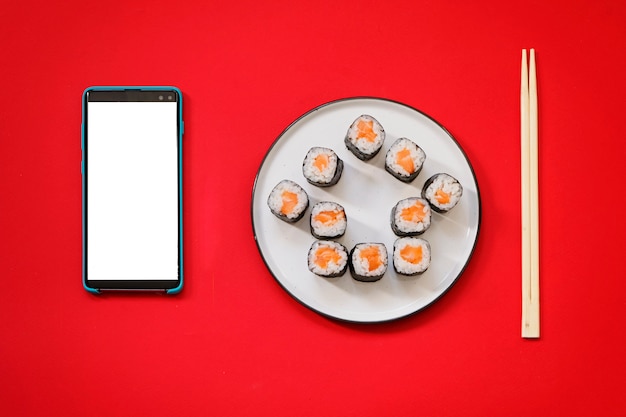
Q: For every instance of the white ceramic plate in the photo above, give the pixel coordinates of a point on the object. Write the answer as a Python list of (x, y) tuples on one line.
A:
[(368, 193)]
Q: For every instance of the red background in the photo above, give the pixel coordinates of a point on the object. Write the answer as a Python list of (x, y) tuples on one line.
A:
[(233, 342)]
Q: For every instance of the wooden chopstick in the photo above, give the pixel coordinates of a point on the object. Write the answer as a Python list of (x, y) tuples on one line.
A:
[(530, 194)]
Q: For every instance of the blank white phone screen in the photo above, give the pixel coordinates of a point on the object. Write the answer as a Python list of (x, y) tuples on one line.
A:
[(132, 191)]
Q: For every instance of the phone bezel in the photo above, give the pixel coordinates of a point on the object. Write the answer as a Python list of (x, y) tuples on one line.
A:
[(131, 94)]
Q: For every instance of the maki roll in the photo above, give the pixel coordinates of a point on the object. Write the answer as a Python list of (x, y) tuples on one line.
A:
[(365, 137), (327, 258), (410, 217), (288, 201), (442, 191), (411, 255), (368, 261), (322, 167), (404, 159), (328, 220)]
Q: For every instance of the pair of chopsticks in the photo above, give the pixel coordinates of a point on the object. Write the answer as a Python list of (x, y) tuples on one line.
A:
[(530, 209)]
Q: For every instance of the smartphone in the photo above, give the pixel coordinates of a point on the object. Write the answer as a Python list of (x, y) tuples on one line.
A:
[(132, 189)]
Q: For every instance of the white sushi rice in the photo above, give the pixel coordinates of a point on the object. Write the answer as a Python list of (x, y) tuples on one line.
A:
[(321, 229), (332, 267), (275, 199), (312, 173), (361, 265), (362, 144), (406, 226), (416, 153), (407, 267), (449, 185)]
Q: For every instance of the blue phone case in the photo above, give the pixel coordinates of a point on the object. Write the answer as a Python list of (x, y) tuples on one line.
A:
[(180, 174)]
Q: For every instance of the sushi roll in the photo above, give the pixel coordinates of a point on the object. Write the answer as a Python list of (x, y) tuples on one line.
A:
[(365, 137), (411, 255), (368, 261), (328, 220), (410, 217), (404, 159), (328, 259), (443, 192), (322, 167), (288, 201)]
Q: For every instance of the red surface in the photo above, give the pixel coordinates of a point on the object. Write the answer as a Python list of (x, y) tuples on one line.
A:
[(233, 342)]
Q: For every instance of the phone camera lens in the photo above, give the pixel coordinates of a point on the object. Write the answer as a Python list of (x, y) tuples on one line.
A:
[(169, 97), (160, 97)]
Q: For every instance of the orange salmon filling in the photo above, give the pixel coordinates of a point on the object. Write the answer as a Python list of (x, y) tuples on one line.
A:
[(403, 158), (290, 200), (366, 130), (414, 213), (372, 254), (442, 197), (329, 217), (412, 254), (324, 255), (321, 162)]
